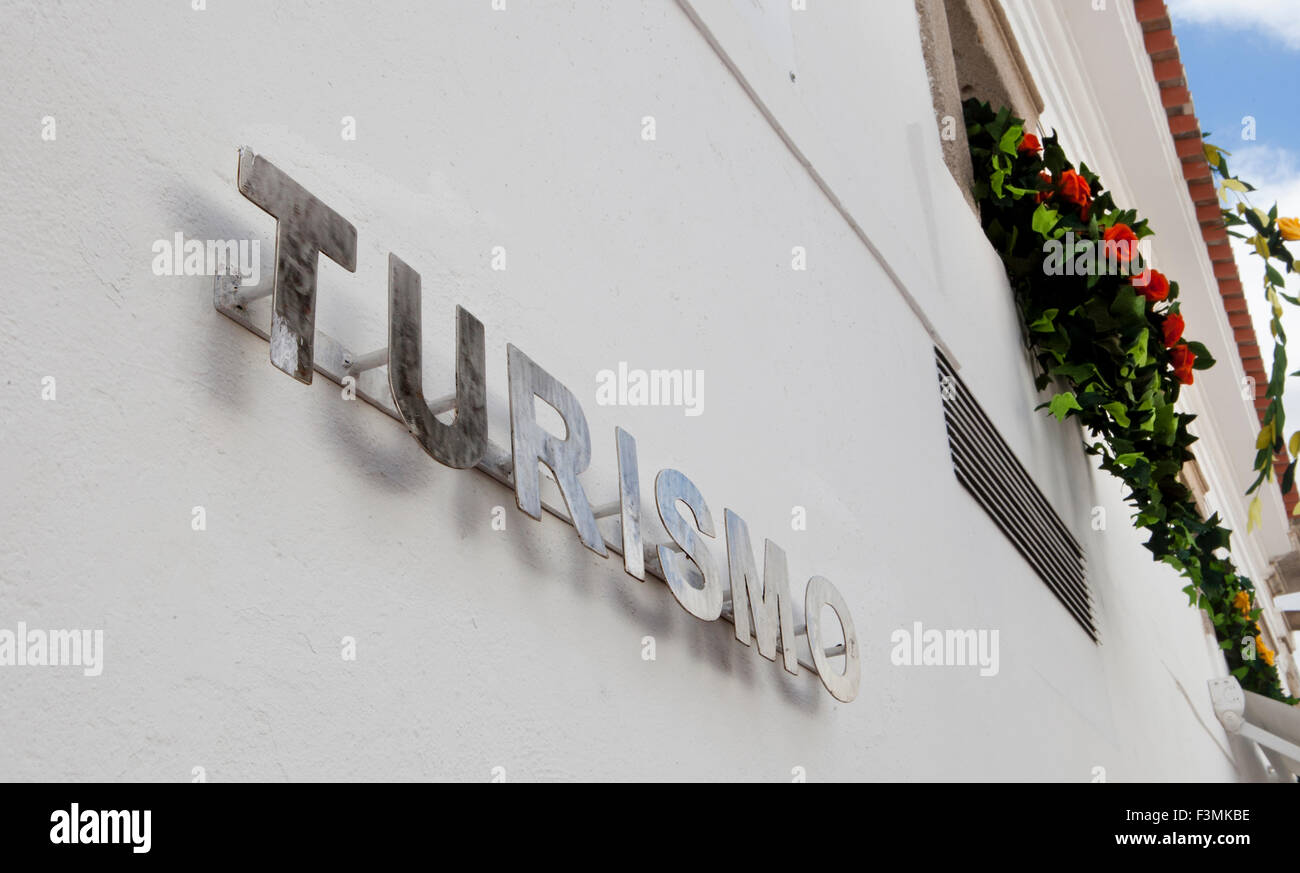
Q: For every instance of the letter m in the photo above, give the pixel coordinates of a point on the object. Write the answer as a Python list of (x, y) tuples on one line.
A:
[(116, 826), (766, 599), (66, 646)]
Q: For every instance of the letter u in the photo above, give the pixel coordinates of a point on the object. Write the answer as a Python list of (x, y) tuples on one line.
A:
[(462, 443)]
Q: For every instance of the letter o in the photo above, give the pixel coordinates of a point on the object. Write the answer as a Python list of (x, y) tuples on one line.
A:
[(820, 593)]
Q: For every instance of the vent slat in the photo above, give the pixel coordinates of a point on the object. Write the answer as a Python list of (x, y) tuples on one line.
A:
[(964, 402), (1069, 565), (1065, 570), (1080, 615), (987, 468), (981, 446), (1069, 584)]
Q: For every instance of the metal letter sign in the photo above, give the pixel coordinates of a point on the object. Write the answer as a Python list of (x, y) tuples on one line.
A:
[(304, 228), (531, 443), (629, 498), (768, 597), (821, 593), (462, 443), (761, 608), (702, 600)]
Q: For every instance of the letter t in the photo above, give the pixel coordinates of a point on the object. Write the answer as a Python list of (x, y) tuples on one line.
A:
[(304, 228)]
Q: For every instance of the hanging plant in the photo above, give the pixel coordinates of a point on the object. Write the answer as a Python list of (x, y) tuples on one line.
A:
[(1107, 335), (1267, 234)]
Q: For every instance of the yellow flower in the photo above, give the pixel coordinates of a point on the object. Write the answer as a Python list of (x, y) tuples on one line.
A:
[(1242, 602), (1264, 651), (1290, 228)]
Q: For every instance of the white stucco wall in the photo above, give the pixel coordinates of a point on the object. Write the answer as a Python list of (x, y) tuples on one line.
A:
[(519, 649)]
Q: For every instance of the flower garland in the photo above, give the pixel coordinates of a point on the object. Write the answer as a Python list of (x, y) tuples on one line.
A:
[(1269, 238), (1107, 331)]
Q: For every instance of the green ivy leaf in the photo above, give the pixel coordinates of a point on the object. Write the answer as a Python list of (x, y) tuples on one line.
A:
[(1204, 360), (1129, 305), (1044, 220), (1166, 424), (1255, 515), (1080, 373), (1011, 139), (1261, 247), (1062, 403), (1117, 412), (1044, 323), (1138, 350)]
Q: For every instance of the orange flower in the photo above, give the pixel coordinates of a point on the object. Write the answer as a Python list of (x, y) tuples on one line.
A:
[(1152, 284), (1030, 143), (1290, 228), (1076, 190), (1121, 243), (1183, 358), (1172, 327)]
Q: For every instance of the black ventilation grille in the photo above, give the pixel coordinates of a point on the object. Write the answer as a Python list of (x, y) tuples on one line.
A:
[(987, 468)]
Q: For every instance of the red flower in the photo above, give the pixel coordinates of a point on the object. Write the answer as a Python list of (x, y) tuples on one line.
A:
[(1120, 243), (1030, 143), (1172, 327), (1076, 190), (1183, 358), (1151, 283)]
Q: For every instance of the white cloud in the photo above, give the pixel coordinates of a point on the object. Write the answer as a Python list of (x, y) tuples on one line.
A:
[(1277, 19)]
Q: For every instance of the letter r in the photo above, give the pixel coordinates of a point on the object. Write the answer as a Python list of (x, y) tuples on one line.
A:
[(530, 443)]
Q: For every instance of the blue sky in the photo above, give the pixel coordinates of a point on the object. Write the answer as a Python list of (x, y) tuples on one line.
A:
[(1242, 59)]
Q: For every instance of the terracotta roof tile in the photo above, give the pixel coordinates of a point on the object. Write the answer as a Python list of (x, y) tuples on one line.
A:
[(1171, 78), (1151, 11), (1160, 43)]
